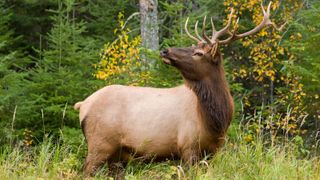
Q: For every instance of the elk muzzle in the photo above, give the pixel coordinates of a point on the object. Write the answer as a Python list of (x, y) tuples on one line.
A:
[(164, 54)]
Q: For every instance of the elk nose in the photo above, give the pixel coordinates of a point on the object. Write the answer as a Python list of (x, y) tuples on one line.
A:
[(164, 52)]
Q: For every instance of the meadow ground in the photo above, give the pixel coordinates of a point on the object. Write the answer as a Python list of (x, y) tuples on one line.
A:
[(238, 159)]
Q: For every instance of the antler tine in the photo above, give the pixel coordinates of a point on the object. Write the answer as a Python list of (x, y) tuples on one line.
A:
[(264, 23), (186, 29), (279, 28), (223, 31), (196, 31), (204, 31), (233, 34), (237, 22), (269, 7), (261, 5), (213, 28), (271, 23)]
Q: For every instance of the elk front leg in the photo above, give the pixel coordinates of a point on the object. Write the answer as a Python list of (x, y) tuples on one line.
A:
[(217, 143), (190, 156)]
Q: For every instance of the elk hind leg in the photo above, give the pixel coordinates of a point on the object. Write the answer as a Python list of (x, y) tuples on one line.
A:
[(96, 157)]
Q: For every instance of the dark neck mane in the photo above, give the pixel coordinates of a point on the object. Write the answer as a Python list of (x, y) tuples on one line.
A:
[(214, 102)]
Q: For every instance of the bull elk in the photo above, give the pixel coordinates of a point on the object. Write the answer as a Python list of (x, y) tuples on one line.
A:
[(185, 121)]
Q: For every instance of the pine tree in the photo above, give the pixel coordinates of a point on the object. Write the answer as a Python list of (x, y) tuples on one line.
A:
[(12, 73), (62, 75), (304, 44)]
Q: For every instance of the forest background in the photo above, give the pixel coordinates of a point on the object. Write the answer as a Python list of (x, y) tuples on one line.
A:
[(54, 53)]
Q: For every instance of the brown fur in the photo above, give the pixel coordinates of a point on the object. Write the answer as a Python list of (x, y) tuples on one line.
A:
[(215, 101), (83, 126), (185, 121)]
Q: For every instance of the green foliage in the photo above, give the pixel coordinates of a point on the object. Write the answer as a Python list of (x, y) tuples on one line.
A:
[(61, 76), (305, 46), (30, 19), (12, 74), (103, 16)]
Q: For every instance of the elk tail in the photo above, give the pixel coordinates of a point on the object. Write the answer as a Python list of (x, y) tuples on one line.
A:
[(77, 105)]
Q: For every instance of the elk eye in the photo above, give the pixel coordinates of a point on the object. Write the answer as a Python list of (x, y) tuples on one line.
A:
[(198, 54)]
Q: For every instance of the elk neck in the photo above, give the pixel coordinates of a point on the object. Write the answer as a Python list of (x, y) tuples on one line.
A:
[(215, 102)]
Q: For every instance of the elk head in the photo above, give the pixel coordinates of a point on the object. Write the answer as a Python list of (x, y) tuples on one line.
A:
[(198, 61)]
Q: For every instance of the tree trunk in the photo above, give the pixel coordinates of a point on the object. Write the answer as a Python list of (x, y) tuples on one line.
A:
[(149, 25)]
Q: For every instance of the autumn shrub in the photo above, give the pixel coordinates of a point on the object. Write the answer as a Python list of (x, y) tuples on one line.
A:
[(121, 62), (121, 58), (259, 64)]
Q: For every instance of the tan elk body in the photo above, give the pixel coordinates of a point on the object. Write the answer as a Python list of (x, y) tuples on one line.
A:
[(186, 121)]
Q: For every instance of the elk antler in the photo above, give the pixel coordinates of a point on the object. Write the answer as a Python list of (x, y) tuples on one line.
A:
[(264, 23), (199, 39), (225, 31), (203, 31), (192, 37), (196, 31)]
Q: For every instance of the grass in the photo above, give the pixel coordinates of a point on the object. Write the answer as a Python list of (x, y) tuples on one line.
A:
[(236, 160)]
